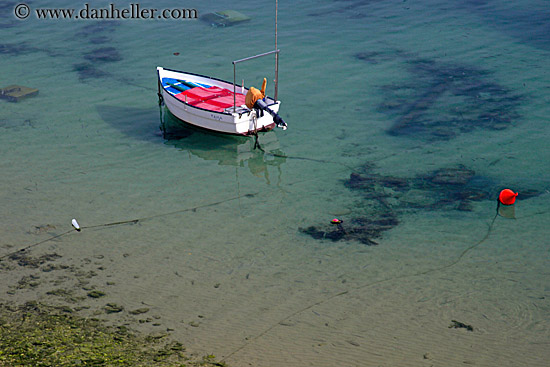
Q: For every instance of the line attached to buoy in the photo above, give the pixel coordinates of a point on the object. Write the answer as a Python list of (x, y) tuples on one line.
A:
[(77, 227)]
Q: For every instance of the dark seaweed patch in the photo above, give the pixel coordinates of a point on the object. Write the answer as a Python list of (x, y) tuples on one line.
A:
[(34, 334), (99, 40), (17, 123), (95, 28), (352, 9), (531, 25), (383, 198), (445, 100), (97, 33), (372, 57), (23, 259), (6, 11), (103, 55), (447, 188), (6, 6), (361, 229), (86, 70), (15, 49), (8, 24)]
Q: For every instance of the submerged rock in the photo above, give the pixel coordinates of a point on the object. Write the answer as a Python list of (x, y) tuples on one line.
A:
[(139, 311), (113, 308), (96, 294), (24, 259)]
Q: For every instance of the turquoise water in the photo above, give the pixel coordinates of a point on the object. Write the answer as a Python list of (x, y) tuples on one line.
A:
[(406, 120)]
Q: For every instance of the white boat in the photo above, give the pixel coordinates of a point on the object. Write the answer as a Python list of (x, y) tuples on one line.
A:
[(216, 104)]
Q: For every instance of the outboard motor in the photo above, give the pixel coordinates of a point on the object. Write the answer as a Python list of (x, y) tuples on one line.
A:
[(254, 99), (278, 120)]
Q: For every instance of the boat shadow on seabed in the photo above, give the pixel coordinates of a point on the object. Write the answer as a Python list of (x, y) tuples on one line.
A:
[(227, 150)]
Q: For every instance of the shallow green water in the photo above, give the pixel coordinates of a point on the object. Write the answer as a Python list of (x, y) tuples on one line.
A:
[(395, 92)]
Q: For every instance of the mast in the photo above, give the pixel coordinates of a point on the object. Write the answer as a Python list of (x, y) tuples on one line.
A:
[(277, 54)]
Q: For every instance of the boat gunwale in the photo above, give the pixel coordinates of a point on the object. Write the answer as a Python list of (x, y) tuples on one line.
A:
[(202, 76)]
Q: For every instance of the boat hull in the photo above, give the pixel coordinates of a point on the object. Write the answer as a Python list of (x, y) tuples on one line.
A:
[(241, 122)]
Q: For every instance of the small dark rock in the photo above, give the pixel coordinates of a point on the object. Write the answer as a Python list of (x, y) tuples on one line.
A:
[(96, 294), (60, 292), (25, 260), (113, 308), (460, 325), (65, 309), (139, 311)]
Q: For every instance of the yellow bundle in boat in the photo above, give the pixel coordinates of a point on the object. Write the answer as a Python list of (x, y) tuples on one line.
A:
[(254, 94)]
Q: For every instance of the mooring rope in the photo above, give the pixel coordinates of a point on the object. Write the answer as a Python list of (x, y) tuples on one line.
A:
[(136, 220), (129, 221), (250, 340), (279, 155)]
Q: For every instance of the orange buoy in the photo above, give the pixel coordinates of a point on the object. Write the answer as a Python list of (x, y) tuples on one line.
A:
[(507, 197)]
